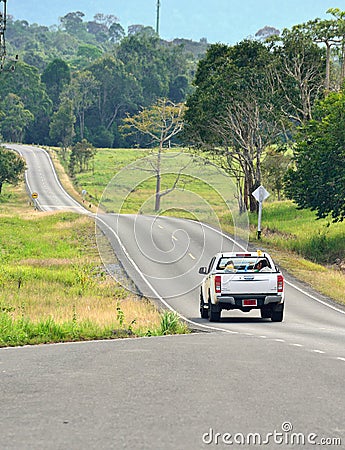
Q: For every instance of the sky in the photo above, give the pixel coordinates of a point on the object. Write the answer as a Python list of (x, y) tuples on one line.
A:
[(226, 21)]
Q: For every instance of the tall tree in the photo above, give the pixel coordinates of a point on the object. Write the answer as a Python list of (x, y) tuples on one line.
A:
[(15, 118), (118, 92), (83, 93), (300, 73), (161, 122), (56, 76), (234, 112), (318, 179), (62, 125), (25, 82), (12, 167)]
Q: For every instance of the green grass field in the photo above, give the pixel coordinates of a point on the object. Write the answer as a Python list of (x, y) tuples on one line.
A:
[(301, 243), (54, 287)]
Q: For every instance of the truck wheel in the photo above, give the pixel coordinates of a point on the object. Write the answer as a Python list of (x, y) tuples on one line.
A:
[(203, 310), (265, 313), (278, 314), (213, 313)]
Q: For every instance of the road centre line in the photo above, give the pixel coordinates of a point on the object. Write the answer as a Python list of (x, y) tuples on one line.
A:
[(192, 256), (318, 351), (341, 359), (174, 238)]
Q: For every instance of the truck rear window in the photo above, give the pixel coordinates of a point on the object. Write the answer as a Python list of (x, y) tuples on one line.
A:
[(242, 264)]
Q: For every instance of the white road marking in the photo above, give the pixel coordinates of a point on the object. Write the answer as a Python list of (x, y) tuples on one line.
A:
[(318, 351), (192, 256), (174, 238), (341, 359), (297, 345), (279, 340), (160, 226)]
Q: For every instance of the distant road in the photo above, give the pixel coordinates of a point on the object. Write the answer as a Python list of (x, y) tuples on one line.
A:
[(246, 375), (42, 179)]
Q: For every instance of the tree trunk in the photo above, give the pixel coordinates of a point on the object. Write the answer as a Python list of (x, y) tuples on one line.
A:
[(0, 187), (328, 67), (158, 181)]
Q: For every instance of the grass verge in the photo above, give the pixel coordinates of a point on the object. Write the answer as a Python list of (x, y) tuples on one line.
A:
[(53, 287)]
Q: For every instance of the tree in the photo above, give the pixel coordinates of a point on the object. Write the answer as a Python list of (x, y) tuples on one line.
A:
[(56, 76), (15, 118), (12, 167), (161, 122), (145, 58), (81, 154), (73, 22), (234, 112), (118, 92), (83, 92), (266, 32), (300, 72), (25, 82), (274, 167), (318, 179), (62, 125)]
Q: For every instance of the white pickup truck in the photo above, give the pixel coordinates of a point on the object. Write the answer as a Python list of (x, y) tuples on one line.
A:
[(245, 281)]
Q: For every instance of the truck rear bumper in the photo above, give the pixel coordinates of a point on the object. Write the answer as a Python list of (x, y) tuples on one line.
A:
[(236, 302)]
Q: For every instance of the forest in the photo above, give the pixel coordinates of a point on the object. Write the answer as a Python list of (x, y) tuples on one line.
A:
[(271, 106), (91, 70)]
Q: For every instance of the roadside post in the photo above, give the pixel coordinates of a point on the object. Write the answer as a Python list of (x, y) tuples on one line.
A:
[(260, 194), (34, 196), (83, 194)]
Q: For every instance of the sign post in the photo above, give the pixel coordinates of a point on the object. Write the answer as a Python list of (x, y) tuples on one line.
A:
[(34, 196), (260, 194)]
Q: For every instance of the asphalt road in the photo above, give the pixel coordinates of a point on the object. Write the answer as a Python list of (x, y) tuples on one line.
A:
[(245, 375)]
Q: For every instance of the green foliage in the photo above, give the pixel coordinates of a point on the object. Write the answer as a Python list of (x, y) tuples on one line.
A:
[(15, 118), (274, 166), (82, 153), (171, 324), (12, 167), (318, 179), (62, 124), (55, 76)]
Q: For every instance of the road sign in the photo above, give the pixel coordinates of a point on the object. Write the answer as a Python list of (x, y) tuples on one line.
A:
[(34, 195), (260, 194)]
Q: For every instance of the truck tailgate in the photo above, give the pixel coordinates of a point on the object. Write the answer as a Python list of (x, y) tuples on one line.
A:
[(254, 283)]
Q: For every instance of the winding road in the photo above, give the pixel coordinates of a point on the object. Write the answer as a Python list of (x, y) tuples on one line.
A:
[(223, 386)]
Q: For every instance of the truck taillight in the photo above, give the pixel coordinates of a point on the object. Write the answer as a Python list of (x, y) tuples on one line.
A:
[(280, 283), (218, 284)]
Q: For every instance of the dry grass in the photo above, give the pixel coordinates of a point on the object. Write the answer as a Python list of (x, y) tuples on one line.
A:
[(326, 280), (38, 282)]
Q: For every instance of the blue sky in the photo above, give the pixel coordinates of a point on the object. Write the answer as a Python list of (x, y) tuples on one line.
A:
[(227, 21)]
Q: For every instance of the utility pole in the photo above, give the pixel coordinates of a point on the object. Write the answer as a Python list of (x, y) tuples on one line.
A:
[(3, 15), (157, 23), (3, 19)]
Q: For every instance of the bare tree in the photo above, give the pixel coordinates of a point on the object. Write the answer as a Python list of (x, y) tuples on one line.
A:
[(161, 122)]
